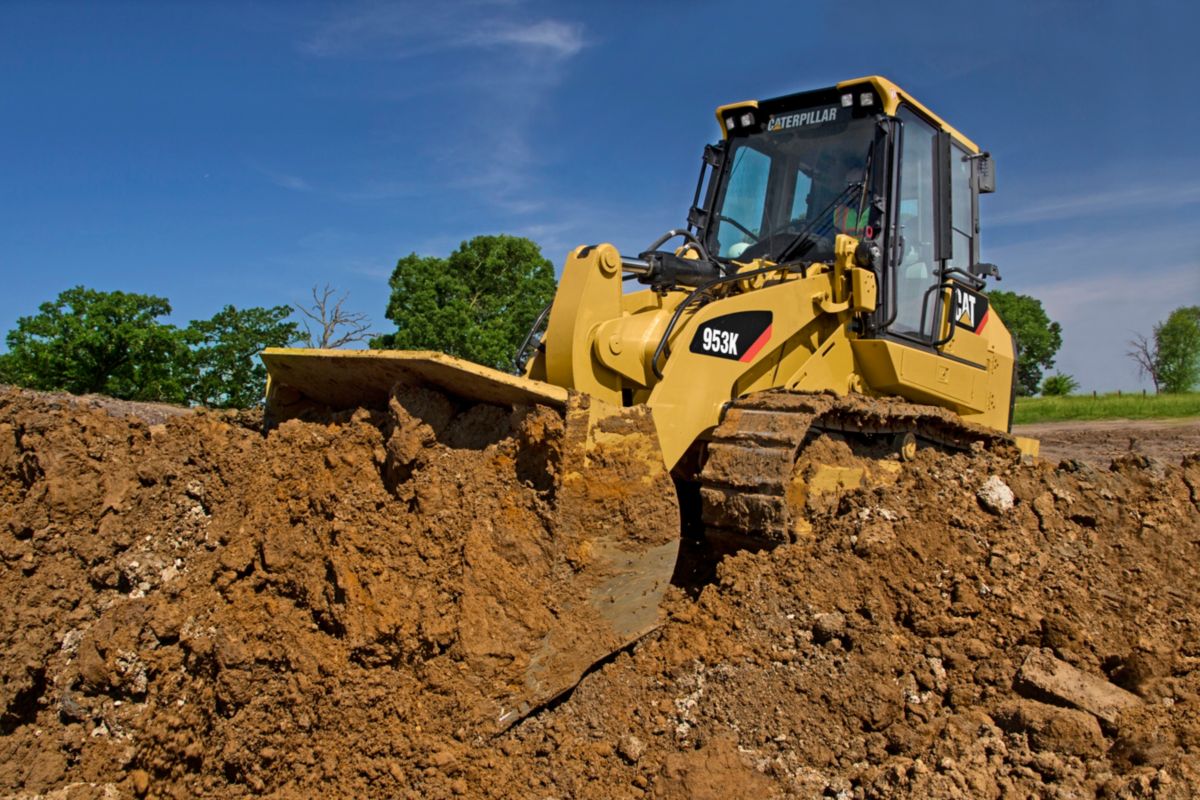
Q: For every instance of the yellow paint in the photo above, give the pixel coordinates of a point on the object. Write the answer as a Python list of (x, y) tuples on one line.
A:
[(1028, 447), (601, 340), (893, 96), (863, 292), (732, 107), (826, 478), (589, 294), (695, 387)]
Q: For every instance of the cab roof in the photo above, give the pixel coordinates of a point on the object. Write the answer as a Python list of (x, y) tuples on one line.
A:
[(891, 96)]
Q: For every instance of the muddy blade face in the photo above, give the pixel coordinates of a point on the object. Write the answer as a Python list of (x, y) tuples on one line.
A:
[(552, 578), (617, 522)]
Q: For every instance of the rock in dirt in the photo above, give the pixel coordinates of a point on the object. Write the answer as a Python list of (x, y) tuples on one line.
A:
[(631, 748), (715, 772), (828, 626), (995, 495), (1042, 672), (1048, 727)]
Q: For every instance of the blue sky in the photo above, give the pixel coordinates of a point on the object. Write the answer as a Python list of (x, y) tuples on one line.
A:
[(240, 153)]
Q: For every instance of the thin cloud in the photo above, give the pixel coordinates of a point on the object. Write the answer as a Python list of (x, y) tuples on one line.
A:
[(1081, 254), (374, 190), (329, 240), (370, 269), (494, 60), (1080, 205), (1100, 315), (293, 183), (1073, 300), (559, 39), (409, 30), (392, 30), (1084, 281)]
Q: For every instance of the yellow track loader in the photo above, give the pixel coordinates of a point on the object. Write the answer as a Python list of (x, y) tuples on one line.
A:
[(828, 283)]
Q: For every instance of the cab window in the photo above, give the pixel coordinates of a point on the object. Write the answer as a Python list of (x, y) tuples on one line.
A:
[(916, 273), (961, 214), (745, 197), (801, 196)]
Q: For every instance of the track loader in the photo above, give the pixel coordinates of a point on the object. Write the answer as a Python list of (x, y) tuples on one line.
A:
[(828, 283)]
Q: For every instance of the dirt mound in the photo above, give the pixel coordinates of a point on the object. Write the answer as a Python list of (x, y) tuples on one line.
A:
[(196, 610)]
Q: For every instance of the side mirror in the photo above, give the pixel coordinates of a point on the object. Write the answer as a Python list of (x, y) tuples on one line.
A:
[(985, 173), (985, 271)]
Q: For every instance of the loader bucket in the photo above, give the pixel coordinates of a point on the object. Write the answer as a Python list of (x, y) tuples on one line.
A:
[(539, 606)]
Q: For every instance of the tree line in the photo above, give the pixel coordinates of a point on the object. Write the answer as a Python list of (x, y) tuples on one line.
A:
[(1170, 356), (478, 303), (117, 344)]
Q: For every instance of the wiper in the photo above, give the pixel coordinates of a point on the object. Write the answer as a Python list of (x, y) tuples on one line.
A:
[(803, 241)]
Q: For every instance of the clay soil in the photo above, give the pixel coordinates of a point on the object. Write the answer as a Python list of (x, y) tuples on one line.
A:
[(194, 609)]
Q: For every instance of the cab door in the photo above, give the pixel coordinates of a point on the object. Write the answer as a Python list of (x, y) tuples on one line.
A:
[(915, 271), (966, 308), (919, 354), (937, 341)]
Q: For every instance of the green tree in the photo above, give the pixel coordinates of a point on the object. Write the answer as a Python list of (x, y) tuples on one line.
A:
[(1059, 385), (224, 368), (1038, 338), (106, 342), (477, 304), (1171, 358)]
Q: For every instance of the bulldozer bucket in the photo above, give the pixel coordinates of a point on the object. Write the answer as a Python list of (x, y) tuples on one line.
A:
[(594, 569)]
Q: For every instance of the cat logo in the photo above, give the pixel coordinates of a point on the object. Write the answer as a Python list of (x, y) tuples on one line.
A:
[(814, 116), (970, 309)]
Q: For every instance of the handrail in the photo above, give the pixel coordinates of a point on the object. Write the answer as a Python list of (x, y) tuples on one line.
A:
[(974, 281), (925, 305)]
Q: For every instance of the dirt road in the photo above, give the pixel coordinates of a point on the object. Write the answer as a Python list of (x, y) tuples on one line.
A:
[(1100, 441)]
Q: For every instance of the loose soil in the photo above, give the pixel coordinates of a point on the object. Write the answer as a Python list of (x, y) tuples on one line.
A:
[(194, 609)]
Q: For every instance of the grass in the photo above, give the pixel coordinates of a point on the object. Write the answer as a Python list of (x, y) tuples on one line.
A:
[(1106, 406)]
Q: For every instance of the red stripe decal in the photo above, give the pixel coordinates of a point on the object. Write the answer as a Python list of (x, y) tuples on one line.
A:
[(758, 345), (983, 321)]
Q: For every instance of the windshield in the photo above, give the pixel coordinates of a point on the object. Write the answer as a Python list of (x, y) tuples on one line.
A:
[(786, 180)]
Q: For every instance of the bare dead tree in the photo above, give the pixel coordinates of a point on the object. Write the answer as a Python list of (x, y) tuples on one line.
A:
[(1144, 353), (332, 326)]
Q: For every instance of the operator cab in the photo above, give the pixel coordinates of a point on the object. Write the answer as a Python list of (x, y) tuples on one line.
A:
[(791, 168), (862, 158)]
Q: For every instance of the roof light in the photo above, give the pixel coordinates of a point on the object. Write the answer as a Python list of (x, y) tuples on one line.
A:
[(729, 123), (847, 100), (747, 119), (866, 99)]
